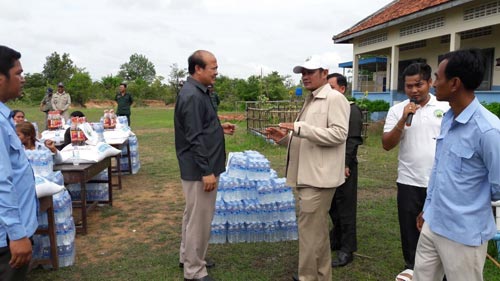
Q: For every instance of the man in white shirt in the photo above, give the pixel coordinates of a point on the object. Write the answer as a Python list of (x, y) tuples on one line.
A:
[(417, 144)]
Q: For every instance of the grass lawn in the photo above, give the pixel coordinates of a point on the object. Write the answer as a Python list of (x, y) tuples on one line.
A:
[(138, 238)]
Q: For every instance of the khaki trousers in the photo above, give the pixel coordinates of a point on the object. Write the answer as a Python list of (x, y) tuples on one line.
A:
[(437, 255), (196, 226), (314, 241)]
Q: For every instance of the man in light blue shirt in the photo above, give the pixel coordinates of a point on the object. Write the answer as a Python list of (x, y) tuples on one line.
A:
[(18, 202), (457, 217)]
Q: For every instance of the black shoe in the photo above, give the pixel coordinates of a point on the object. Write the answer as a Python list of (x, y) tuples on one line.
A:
[(209, 263), (342, 259), (205, 278), (295, 277)]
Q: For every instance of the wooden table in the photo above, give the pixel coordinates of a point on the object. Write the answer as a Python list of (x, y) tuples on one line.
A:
[(120, 146), (118, 168), (47, 205), (83, 174)]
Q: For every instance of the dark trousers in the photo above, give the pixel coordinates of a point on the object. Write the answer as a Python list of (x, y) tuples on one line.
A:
[(7, 273), (343, 214), (411, 201), (128, 117)]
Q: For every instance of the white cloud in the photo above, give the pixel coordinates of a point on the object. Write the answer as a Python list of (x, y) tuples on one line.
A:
[(246, 36)]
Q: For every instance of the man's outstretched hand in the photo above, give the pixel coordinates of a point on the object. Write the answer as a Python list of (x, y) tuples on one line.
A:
[(276, 134), (228, 128)]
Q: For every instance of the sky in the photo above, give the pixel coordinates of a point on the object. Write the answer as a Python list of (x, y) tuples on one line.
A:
[(247, 37)]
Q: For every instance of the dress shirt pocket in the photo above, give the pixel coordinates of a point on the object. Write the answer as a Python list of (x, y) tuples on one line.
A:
[(16, 147), (458, 157)]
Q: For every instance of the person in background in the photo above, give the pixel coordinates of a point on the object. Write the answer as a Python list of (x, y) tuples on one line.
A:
[(417, 144), (315, 165), (26, 133), (46, 104), (214, 97), (18, 116), (61, 101), (67, 133), (344, 203), (18, 202), (457, 222), (124, 101), (200, 149)]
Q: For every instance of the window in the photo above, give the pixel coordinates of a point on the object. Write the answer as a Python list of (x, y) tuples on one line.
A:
[(482, 10), (413, 45), (422, 26), (373, 39)]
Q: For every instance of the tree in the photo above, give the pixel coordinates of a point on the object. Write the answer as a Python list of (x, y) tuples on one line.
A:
[(138, 67), (274, 86), (175, 77), (58, 68), (34, 80), (79, 87), (252, 89), (111, 82)]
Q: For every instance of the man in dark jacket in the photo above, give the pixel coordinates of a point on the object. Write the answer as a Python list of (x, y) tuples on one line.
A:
[(344, 203), (124, 100), (200, 148)]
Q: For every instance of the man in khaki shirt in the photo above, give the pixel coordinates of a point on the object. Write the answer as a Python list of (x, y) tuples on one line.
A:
[(61, 101), (315, 165)]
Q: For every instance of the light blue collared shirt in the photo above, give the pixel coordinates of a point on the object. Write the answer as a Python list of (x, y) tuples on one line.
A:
[(465, 176), (18, 202)]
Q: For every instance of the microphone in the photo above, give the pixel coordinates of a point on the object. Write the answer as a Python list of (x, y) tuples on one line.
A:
[(410, 115)]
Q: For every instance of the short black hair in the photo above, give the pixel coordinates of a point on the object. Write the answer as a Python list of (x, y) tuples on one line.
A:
[(341, 80), (124, 84), (16, 111), (8, 57), (418, 68), (196, 59), (77, 113), (468, 65)]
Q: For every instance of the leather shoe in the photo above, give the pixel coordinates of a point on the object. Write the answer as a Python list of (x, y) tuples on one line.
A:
[(342, 259), (295, 277), (204, 278), (209, 263)]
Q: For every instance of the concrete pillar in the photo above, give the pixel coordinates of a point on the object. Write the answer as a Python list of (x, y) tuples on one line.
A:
[(455, 41), (388, 74), (355, 73), (394, 71)]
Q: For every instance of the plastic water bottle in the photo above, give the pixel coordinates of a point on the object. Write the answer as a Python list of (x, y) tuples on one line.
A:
[(231, 233), (57, 137), (76, 156)]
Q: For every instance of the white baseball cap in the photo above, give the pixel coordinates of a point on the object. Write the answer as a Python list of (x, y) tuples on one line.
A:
[(311, 63)]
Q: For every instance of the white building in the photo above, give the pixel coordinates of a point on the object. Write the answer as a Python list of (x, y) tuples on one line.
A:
[(407, 31)]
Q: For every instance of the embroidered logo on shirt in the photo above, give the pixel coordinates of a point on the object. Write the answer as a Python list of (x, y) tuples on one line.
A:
[(438, 113)]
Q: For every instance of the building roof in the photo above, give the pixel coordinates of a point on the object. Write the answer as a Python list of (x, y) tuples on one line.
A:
[(392, 11), (371, 60)]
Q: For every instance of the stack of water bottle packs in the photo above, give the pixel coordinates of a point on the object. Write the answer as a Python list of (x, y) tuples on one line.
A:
[(253, 204), (65, 232), (134, 155), (122, 127), (134, 149), (42, 163), (96, 189)]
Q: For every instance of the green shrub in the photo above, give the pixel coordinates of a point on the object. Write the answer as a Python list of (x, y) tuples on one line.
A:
[(494, 107), (372, 106)]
